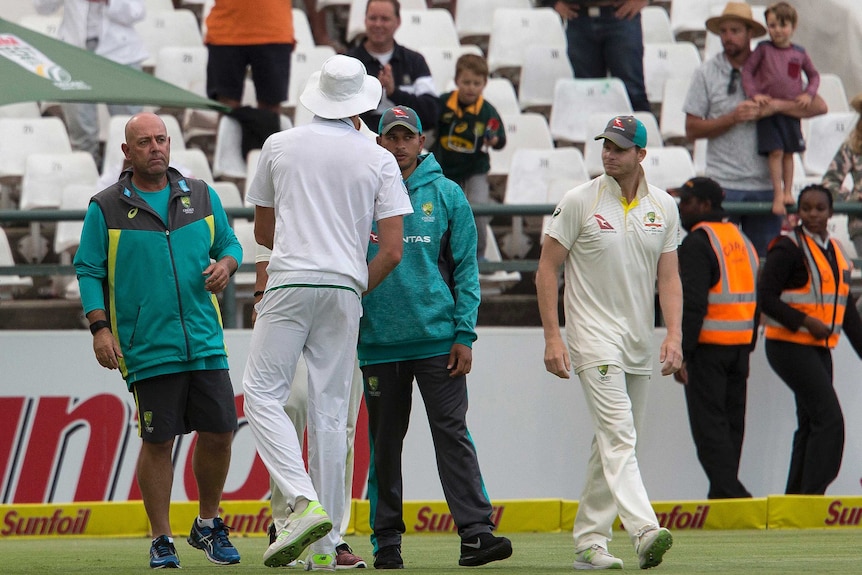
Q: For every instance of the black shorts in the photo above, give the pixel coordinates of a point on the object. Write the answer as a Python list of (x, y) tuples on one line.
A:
[(779, 132), (179, 403), (270, 71)]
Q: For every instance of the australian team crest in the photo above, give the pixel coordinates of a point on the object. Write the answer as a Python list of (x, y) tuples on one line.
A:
[(652, 221), (187, 205), (427, 211)]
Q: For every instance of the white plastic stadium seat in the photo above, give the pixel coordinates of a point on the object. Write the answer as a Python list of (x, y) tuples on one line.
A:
[(473, 18), (668, 167), (20, 137), (543, 66), (833, 93), (441, 61), (532, 170), (302, 29), (430, 27), (672, 122), (183, 66), (576, 99), (691, 15), (68, 233), (192, 163), (163, 28), (45, 176), (501, 94), (655, 24), (47, 24), (10, 284), (227, 157), (512, 30), (528, 130), (500, 280), (823, 136), (663, 61)]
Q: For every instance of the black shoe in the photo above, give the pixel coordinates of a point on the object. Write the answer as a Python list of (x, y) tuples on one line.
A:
[(484, 548), (388, 557), (271, 533)]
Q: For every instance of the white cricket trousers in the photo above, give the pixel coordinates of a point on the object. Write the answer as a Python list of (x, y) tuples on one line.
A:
[(322, 324), (616, 401), (296, 408)]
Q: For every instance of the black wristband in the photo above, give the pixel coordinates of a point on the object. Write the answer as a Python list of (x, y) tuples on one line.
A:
[(99, 324), (258, 292)]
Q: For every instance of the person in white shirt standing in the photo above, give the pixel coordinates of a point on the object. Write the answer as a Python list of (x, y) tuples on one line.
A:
[(106, 28), (616, 235), (316, 192)]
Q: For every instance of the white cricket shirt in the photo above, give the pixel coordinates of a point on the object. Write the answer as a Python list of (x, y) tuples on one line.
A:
[(327, 183), (611, 270)]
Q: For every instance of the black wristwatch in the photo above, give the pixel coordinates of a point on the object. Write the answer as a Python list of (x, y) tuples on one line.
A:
[(99, 324)]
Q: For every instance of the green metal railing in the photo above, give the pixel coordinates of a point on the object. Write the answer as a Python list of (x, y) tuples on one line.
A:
[(229, 296)]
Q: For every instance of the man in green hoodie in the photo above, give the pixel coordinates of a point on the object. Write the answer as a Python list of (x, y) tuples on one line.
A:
[(436, 290)]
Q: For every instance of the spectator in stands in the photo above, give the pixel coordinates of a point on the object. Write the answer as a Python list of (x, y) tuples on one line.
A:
[(430, 340), (165, 335), (774, 70), (617, 237), (107, 29), (716, 108), (403, 73), (242, 34), (718, 266), (605, 37), (848, 161), (467, 128), (804, 291)]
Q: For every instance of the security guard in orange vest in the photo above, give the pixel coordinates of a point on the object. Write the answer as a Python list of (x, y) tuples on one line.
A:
[(804, 291), (718, 266)]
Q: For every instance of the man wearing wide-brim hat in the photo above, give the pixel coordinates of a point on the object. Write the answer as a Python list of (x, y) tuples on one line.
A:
[(717, 109), (316, 192)]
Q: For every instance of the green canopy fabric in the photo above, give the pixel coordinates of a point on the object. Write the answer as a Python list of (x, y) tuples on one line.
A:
[(35, 67)]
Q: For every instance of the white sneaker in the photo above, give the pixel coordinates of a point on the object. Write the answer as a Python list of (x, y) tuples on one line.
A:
[(302, 530), (596, 557), (652, 545), (320, 562)]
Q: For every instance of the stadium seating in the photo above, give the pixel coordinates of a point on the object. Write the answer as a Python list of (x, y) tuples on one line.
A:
[(833, 93), (512, 30), (672, 121), (663, 61), (543, 66), (576, 99), (68, 233), (183, 66), (501, 94), (47, 24), (823, 136), (655, 24), (528, 130), (192, 163), (473, 18), (668, 167), (431, 27), (10, 284), (20, 137), (163, 28)]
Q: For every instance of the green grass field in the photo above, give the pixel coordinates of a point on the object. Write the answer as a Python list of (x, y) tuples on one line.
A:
[(809, 552)]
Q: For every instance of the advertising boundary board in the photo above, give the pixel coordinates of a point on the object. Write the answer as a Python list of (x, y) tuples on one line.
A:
[(252, 518), (68, 430)]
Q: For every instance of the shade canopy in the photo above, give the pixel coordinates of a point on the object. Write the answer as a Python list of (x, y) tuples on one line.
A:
[(35, 67)]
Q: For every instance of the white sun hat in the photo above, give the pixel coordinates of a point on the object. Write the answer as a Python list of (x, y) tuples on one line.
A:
[(341, 89)]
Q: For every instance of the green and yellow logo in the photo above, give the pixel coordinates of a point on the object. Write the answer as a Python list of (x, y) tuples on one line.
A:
[(132, 213), (603, 370), (427, 208), (373, 383), (186, 201)]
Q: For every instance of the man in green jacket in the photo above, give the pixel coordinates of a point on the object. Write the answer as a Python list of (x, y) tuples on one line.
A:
[(149, 288), (436, 290)]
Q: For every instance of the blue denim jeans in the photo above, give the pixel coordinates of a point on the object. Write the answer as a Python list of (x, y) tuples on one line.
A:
[(601, 44), (760, 229)]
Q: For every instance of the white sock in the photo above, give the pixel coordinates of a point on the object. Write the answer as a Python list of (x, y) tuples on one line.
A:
[(205, 522)]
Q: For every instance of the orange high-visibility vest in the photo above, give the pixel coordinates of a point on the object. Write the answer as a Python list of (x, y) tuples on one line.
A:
[(823, 297), (732, 301)]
